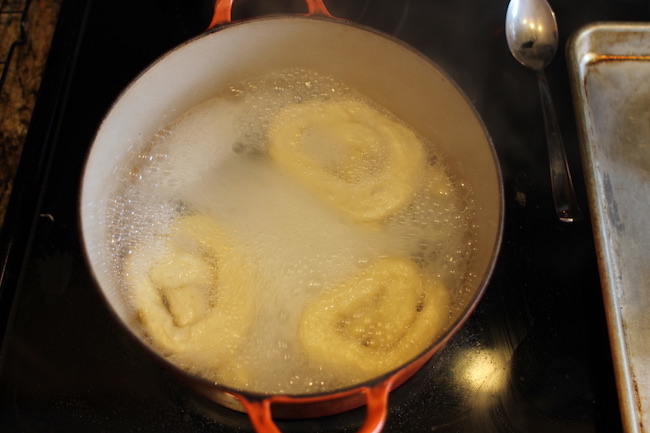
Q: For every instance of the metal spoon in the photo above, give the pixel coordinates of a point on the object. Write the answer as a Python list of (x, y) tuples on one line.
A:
[(531, 31)]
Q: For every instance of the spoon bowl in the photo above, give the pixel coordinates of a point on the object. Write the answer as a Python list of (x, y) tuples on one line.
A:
[(531, 31)]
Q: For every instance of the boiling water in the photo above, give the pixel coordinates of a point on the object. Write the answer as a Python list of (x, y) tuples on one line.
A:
[(213, 160)]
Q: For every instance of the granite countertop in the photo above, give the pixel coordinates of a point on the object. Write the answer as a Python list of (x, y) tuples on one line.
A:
[(22, 80)]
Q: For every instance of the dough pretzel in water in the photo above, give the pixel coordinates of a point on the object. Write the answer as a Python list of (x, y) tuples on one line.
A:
[(376, 321), (189, 292), (350, 154)]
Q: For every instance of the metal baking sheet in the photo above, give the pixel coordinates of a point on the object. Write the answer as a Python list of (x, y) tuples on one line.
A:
[(610, 67)]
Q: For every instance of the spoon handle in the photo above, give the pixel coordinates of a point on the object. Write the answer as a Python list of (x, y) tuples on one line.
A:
[(566, 204)]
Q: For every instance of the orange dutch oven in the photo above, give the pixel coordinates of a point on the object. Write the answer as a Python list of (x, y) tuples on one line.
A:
[(384, 69)]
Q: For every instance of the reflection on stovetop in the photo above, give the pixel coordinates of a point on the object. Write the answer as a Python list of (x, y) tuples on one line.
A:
[(533, 357)]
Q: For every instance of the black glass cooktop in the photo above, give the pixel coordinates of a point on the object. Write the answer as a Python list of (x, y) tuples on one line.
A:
[(534, 357)]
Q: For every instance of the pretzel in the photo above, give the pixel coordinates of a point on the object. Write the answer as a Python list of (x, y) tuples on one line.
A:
[(349, 153), (189, 291), (381, 318)]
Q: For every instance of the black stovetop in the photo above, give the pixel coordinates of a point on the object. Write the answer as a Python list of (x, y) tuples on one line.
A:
[(534, 357)]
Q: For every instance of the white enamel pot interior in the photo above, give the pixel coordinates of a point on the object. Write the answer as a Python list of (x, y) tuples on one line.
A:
[(387, 71)]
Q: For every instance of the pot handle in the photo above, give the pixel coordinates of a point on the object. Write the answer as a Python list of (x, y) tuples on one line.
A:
[(259, 411), (223, 11)]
